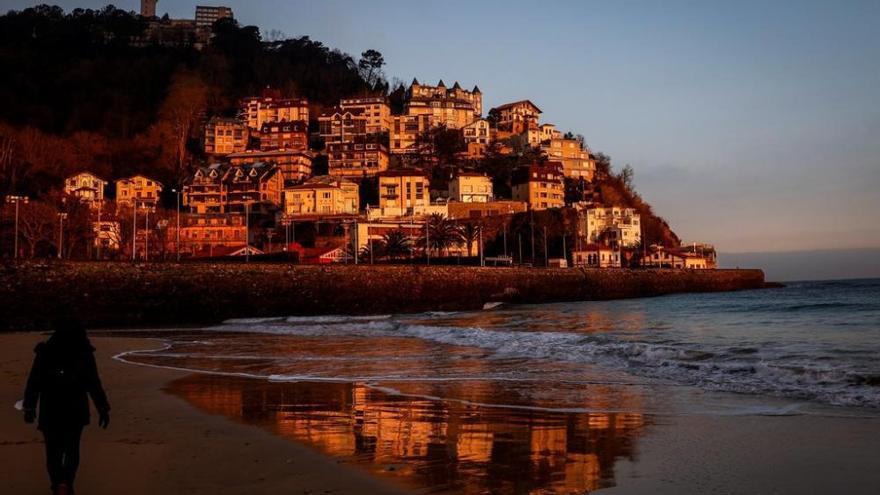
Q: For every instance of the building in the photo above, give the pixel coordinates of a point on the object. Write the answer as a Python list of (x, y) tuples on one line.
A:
[(356, 159), (138, 191), (541, 186), (477, 137), (470, 187), (405, 133), (375, 109), (404, 188), (517, 117), (148, 8), (86, 186), (577, 162), (691, 257), (209, 235), (343, 126), (321, 196), (221, 188), (596, 256), (612, 226), (548, 132), (205, 192), (225, 135), (270, 107), (405, 193), (295, 165), (451, 107), (256, 187), (473, 211), (206, 16), (284, 135)]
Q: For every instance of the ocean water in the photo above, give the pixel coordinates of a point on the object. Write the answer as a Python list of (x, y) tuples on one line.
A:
[(543, 399), (814, 342)]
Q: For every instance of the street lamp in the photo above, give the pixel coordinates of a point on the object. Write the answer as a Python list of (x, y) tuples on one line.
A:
[(247, 230), (177, 243), (134, 228), (61, 217), (146, 231), (16, 200)]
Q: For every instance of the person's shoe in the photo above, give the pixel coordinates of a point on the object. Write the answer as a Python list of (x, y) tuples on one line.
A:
[(63, 489)]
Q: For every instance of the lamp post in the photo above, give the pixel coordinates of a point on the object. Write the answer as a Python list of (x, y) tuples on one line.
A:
[(247, 230), (61, 217), (134, 230), (146, 232), (177, 242), (16, 200)]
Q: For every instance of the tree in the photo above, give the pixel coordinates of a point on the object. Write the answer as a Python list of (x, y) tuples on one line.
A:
[(470, 233), (441, 234), (396, 244), (370, 67), (36, 222), (179, 116)]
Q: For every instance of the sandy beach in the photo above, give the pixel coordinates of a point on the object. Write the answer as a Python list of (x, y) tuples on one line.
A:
[(158, 443), (176, 432)]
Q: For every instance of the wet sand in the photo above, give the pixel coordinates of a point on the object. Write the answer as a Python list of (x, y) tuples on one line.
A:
[(174, 432), (158, 443)]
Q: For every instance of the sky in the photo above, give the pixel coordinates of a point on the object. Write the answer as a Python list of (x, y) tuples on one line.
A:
[(753, 125)]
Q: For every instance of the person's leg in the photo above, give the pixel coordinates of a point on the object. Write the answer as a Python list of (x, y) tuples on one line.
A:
[(54, 456), (71, 454)]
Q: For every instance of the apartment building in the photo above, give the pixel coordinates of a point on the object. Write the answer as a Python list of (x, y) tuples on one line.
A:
[(343, 126), (361, 158), (577, 162), (138, 191), (405, 132), (225, 135), (517, 117), (451, 107), (271, 107), (615, 226), (207, 15), (295, 165), (86, 186), (375, 109), (541, 186), (322, 195), (286, 135), (221, 188), (470, 187)]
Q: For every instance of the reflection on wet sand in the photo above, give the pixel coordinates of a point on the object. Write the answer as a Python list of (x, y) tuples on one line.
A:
[(431, 443)]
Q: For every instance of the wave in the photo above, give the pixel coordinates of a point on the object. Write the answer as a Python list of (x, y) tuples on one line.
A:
[(741, 369)]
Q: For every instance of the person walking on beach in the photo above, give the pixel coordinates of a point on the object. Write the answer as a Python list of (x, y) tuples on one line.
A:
[(64, 375)]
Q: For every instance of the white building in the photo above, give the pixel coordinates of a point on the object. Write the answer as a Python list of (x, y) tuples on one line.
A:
[(470, 187), (613, 226)]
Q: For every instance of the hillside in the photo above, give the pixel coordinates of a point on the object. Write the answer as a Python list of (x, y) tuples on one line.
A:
[(91, 90)]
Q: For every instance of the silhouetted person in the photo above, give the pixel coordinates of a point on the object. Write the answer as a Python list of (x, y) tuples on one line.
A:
[(62, 378)]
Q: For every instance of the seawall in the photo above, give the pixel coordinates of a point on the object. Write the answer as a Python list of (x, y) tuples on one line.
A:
[(125, 294)]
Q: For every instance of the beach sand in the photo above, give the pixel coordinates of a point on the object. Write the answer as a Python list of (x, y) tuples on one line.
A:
[(174, 432), (157, 443)]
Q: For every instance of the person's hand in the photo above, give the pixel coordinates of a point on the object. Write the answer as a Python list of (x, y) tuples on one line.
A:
[(104, 419), (29, 416)]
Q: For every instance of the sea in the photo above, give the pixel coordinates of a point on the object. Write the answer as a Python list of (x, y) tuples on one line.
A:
[(532, 398)]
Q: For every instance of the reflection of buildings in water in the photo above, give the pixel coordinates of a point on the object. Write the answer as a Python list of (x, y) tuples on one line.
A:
[(431, 443)]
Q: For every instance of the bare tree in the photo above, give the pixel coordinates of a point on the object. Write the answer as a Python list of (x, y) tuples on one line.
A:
[(180, 113), (36, 222)]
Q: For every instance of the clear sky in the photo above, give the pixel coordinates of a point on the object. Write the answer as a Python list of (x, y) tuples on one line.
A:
[(752, 124)]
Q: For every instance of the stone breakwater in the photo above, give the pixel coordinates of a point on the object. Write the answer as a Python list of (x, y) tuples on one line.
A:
[(126, 294)]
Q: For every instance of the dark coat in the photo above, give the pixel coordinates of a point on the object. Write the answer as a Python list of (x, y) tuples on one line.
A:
[(62, 378)]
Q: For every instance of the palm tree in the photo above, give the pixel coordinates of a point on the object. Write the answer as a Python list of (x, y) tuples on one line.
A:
[(469, 233), (396, 244), (441, 234)]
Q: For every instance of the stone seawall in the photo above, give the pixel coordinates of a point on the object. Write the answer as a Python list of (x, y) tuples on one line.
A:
[(126, 294)]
